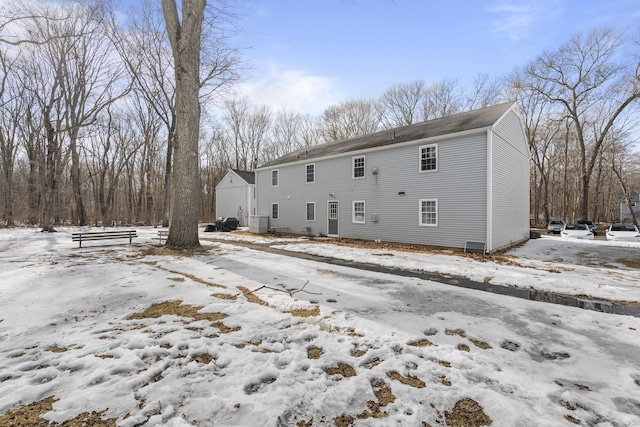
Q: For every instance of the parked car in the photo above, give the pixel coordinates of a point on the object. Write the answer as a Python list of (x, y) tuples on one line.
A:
[(590, 224), (577, 231), (623, 232), (555, 226)]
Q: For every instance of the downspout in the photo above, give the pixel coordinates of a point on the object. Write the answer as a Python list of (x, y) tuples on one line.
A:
[(489, 237)]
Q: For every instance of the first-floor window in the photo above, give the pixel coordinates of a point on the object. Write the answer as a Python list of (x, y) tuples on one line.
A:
[(311, 211), (358, 212), (429, 212), (275, 207)]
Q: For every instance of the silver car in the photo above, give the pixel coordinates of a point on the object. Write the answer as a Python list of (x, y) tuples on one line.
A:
[(555, 226)]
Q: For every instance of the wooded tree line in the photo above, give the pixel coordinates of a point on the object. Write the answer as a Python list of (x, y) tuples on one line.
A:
[(88, 117)]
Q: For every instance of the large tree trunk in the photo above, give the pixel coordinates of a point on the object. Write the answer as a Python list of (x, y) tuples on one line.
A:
[(76, 183), (185, 43), (50, 184), (167, 179)]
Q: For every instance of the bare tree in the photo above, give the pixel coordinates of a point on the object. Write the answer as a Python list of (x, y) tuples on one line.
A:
[(485, 91), (400, 105), (443, 98), (594, 91), (350, 119), (185, 32)]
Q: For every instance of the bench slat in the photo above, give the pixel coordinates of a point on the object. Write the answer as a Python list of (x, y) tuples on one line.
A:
[(103, 235)]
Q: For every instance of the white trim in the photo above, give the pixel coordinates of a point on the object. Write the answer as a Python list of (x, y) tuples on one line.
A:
[(420, 158), (489, 238), (337, 202), (271, 213), (353, 212), (306, 212), (306, 174), (420, 223), (353, 167), (277, 171)]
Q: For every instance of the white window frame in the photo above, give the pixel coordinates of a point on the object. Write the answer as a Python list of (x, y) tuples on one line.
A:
[(277, 211), (353, 167), (306, 173), (307, 211), (420, 212), (277, 175), (424, 147), (353, 212)]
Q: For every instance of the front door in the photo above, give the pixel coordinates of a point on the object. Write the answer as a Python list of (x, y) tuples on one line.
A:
[(333, 219)]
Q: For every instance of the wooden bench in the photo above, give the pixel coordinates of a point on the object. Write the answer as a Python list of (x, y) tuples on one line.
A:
[(162, 235), (103, 235)]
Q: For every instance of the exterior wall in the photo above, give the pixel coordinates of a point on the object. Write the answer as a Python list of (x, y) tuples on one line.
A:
[(235, 198), (509, 177), (625, 216), (391, 196)]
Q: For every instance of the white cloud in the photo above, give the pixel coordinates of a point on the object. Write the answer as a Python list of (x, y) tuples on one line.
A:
[(296, 90), (516, 19)]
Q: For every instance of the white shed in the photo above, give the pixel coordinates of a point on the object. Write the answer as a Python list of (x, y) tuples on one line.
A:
[(236, 196)]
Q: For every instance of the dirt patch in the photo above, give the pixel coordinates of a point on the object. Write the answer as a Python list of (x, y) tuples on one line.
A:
[(304, 312), (463, 347), (343, 369), (629, 262), (251, 297), (56, 349), (343, 420), (445, 381), (203, 358), (314, 352), (383, 393), (421, 343), (467, 413), (225, 296), (29, 416), (480, 344), (176, 308), (458, 332), (190, 276), (411, 381)]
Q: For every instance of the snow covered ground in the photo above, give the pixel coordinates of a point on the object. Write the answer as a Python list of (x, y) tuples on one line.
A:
[(314, 344)]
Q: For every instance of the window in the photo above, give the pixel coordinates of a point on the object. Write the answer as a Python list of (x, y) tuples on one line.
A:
[(311, 211), (358, 167), (429, 212), (429, 158), (275, 207), (310, 173), (358, 212), (274, 178)]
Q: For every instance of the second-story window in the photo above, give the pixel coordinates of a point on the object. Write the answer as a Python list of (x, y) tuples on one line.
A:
[(358, 167), (310, 173), (429, 158), (274, 178)]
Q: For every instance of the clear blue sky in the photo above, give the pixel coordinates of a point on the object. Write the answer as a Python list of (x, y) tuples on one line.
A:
[(309, 54)]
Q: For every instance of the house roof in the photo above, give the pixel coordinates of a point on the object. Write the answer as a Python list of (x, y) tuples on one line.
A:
[(248, 177), (476, 119)]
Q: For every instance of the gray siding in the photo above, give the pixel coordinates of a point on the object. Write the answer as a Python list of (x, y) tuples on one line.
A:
[(510, 183), (459, 185)]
